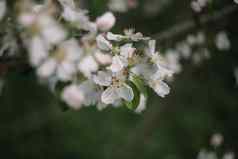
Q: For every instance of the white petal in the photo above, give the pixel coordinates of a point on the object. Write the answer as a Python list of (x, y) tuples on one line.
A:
[(47, 69), (73, 96), (102, 58), (103, 78), (51, 31), (72, 49), (115, 37), (106, 21), (125, 92), (222, 41), (38, 51), (152, 46), (160, 87), (66, 71), (103, 44), (118, 63), (109, 96), (127, 50), (142, 105), (88, 65)]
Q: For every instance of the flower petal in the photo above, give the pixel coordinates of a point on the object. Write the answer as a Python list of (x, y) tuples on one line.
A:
[(125, 92), (73, 96), (127, 50), (103, 44), (103, 78), (160, 87), (109, 96), (115, 37), (47, 69), (118, 63)]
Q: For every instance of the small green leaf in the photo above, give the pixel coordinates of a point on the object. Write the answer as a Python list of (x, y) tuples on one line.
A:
[(139, 83), (136, 100)]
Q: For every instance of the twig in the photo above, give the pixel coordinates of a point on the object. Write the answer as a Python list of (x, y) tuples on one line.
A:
[(189, 25)]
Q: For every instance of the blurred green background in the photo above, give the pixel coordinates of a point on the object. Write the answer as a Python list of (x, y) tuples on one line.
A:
[(203, 101)]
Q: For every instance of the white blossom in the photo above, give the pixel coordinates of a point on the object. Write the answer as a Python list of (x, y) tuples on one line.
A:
[(47, 69), (118, 5), (222, 41), (106, 21), (73, 96), (216, 140), (63, 63), (184, 49), (38, 50), (121, 61), (229, 155), (172, 60), (116, 87), (88, 65)]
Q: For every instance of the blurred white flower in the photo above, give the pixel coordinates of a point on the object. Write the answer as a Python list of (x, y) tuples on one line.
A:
[(106, 21), (73, 96), (38, 50), (88, 65), (63, 63), (47, 69), (222, 41), (236, 1), (198, 5), (229, 155), (51, 31), (184, 49), (216, 140), (173, 61), (203, 154), (3, 8), (122, 5)]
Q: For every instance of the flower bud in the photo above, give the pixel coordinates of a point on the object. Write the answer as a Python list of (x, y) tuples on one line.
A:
[(106, 21)]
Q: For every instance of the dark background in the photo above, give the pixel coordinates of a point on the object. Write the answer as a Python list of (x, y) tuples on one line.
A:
[(203, 101)]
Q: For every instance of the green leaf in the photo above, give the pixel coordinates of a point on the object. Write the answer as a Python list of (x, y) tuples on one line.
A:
[(136, 100), (139, 83)]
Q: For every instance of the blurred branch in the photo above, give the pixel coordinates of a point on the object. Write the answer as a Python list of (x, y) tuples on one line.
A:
[(189, 25)]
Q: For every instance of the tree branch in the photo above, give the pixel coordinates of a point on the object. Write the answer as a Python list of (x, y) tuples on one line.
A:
[(189, 25)]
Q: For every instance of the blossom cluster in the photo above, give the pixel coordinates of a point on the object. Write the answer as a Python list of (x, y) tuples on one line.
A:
[(92, 65), (216, 142), (195, 48)]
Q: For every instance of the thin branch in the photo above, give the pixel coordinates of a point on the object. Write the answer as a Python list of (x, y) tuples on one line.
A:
[(189, 25)]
